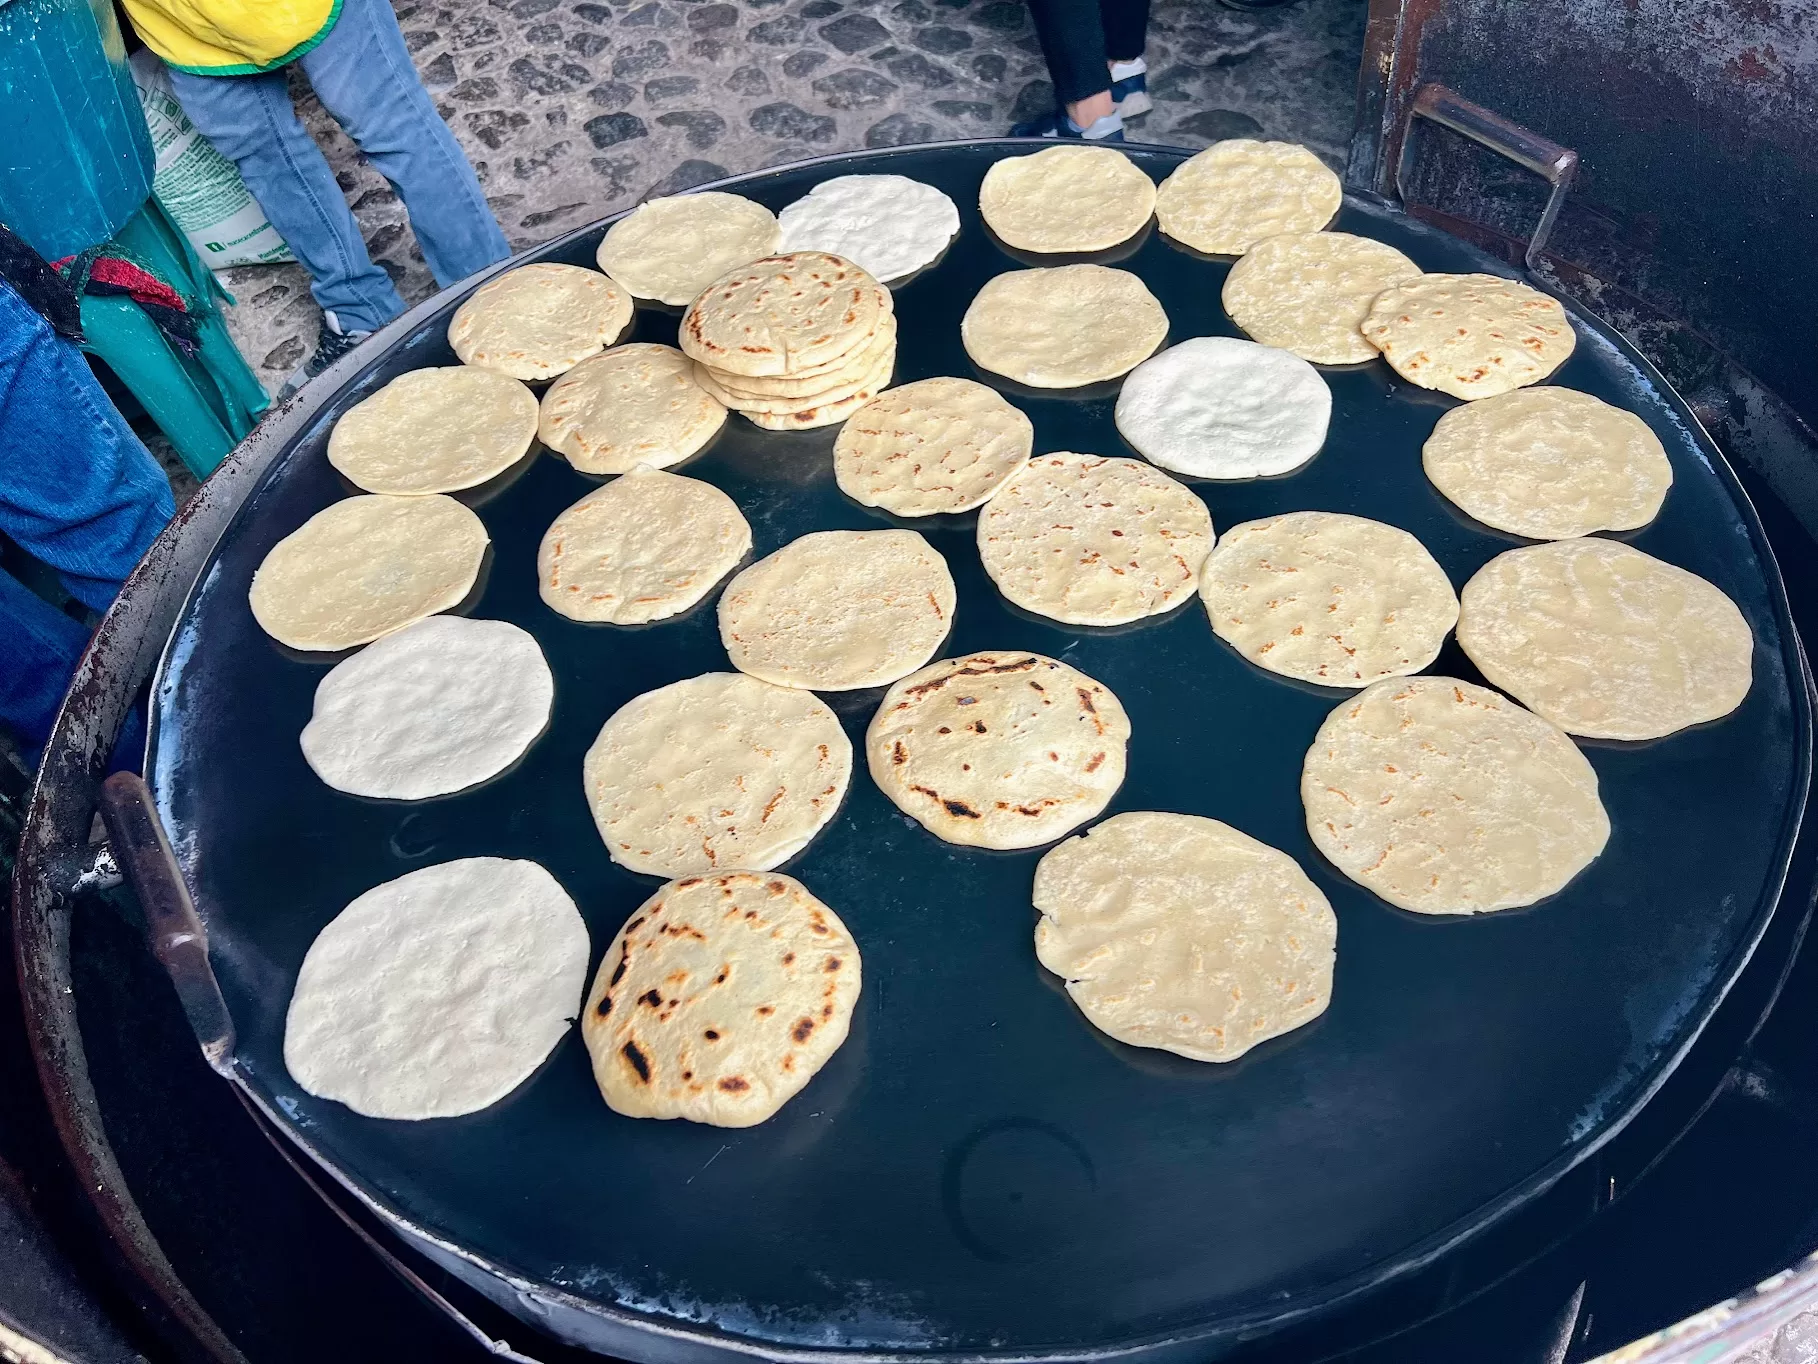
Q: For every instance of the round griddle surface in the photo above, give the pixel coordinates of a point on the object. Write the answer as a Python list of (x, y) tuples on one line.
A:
[(978, 1169)]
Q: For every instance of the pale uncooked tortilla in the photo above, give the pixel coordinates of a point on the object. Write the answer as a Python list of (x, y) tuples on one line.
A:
[(366, 566), (1220, 407), (429, 710), (1308, 292), (1179, 932), (636, 404), (838, 610), (1606, 641), (1447, 798), (1472, 336), (672, 248), (1328, 598), (888, 224), (1094, 541), (937, 445), (439, 993), (721, 998), (538, 321), (1070, 197), (645, 547), (1063, 327), (1549, 463), (435, 431), (1003, 749), (783, 314), (1235, 193), (714, 773)]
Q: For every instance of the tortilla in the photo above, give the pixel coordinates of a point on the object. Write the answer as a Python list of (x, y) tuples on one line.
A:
[(1606, 641), (435, 431), (1094, 541), (429, 710), (720, 999), (636, 404), (439, 993), (1473, 336), (999, 749), (1069, 197), (782, 314), (645, 547), (1178, 932), (1308, 292), (888, 225), (1446, 798), (839, 610), (366, 566), (1235, 193), (670, 249), (716, 772), (538, 321), (937, 445), (1063, 327)]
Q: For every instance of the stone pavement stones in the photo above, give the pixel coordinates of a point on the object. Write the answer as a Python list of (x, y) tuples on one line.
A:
[(570, 111)]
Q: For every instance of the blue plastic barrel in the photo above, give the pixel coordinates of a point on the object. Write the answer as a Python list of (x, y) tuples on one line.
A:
[(76, 160)]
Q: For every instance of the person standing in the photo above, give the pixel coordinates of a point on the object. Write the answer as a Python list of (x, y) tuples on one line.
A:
[(1094, 50), (227, 60)]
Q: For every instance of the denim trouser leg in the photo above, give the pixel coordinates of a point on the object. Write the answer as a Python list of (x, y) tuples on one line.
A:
[(251, 121), (363, 75), (77, 492)]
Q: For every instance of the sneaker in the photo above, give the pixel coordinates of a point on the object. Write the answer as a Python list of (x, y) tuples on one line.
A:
[(1130, 88), (331, 345), (1110, 128)]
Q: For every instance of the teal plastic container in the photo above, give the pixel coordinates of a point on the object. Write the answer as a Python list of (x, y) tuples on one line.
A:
[(76, 161)]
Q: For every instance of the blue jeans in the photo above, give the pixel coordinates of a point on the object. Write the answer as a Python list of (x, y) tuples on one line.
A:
[(78, 492), (363, 75)]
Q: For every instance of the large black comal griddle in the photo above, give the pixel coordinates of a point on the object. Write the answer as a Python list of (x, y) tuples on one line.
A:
[(978, 1171)]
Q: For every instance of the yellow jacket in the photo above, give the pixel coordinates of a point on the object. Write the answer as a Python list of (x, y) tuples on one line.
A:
[(231, 37)]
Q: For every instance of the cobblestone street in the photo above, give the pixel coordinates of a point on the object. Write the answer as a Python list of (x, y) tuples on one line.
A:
[(571, 111)]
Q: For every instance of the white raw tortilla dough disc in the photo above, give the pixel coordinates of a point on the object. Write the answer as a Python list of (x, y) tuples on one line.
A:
[(839, 610), (1063, 327), (1237, 192), (1094, 541), (1331, 599), (937, 445), (1070, 197), (716, 772), (1447, 798), (1219, 407), (889, 225), (1472, 336), (538, 321), (1308, 292), (1606, 641), (1549, 463), (670, 249), (645, 547), (636, 404), (429, 710), (1179, 932), (999, 749), (366, 566), (439, 993), (720, 999), (435, 431)]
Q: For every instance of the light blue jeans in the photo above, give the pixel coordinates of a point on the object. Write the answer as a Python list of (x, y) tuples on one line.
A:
[(363, 75)]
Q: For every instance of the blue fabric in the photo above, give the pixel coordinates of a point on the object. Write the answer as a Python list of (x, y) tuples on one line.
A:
[(78, 492), (363, 75)]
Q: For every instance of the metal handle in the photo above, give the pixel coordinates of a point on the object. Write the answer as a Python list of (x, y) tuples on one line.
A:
[(1528, 149), (178, 939)]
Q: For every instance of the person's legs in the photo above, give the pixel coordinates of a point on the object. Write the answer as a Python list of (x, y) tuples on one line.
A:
[(77, 490), (1072, 36), (42, 648), (251, 121), (1126, 26), (363, 74)]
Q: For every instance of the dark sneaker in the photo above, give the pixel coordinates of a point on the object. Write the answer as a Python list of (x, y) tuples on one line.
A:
[(331, 345), (1056, 124), (1130, 96)]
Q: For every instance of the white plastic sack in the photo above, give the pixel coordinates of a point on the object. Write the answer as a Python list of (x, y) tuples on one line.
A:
[(198, 187)]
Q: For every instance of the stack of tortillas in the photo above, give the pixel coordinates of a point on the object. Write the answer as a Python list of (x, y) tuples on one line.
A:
[(793, 341)]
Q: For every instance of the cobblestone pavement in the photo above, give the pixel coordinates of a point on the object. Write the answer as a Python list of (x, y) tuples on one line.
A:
[(572, 110)]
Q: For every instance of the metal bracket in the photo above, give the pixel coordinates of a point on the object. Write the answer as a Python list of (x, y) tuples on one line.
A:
[(178, 939), (1549, 160)]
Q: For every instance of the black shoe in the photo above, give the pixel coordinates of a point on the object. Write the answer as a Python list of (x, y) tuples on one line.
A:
[(331, 345), (1056, 124)]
